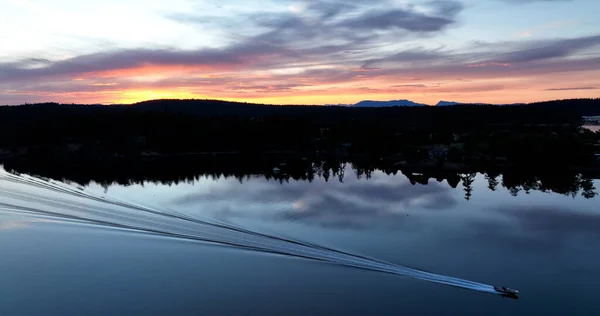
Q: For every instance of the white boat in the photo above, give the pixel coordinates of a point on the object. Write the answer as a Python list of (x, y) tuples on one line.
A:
[(506, 290)]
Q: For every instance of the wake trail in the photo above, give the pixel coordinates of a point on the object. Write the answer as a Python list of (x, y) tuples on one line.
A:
[(57, 200)]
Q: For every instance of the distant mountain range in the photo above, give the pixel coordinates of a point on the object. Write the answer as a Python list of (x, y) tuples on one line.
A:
[(377, 104), (447, 103), (392, 103), (451, 103)]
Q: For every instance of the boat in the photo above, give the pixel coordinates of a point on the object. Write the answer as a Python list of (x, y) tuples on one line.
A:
[(506, 290)]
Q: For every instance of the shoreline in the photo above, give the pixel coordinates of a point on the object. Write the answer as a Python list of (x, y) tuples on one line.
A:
[(261, 162)]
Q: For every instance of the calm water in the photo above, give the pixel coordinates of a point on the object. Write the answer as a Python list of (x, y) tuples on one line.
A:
[(544, 244)]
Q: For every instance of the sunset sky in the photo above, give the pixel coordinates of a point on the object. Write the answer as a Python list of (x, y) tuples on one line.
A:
[(298, 52)]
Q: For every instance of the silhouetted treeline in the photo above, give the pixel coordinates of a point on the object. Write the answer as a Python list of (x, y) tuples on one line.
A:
[(285, 169), (584, 107), (562, 111), (93, 134)]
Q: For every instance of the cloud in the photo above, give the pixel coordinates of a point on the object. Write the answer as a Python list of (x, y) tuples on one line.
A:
[(319, 22), (396, 19), (526, 34), (248, 72), (548, 50), (408, 56), (280, 87), (532, 1), (321, 48), (447, 8), (132, 58), (408, 86), (491, 60), (572, 89), (284, 43), (502, 54), (330, 9)]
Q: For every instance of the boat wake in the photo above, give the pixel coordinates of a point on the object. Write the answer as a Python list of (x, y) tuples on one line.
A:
[(28, 195)]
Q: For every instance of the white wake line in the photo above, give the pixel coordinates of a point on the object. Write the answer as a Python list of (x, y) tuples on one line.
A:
[(197, 229)]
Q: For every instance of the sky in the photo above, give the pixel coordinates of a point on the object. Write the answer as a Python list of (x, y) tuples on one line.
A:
[(299, 51)]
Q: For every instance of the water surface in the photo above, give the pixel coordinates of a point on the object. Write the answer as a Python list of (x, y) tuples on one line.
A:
[(542, 243)]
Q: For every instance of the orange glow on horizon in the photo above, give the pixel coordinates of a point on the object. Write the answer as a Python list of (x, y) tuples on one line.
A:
[(134, 96), (126, 86), (496, 97)]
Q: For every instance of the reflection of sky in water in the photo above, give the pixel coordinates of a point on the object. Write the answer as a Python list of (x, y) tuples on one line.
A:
[(381, 202), (593, 128), (365, 215), (12, 224), (537, 242)]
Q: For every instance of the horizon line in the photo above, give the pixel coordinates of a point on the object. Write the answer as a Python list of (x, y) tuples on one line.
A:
[(274, 104)]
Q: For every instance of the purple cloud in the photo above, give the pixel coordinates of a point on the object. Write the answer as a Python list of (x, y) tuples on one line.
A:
[(572, 89)]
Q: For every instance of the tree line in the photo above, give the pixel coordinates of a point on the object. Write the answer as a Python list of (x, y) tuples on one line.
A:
[(244, 168)]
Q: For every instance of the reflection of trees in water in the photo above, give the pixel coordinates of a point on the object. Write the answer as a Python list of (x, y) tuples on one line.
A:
[(565, 183), (587, 186), (468, 180), (515, 181), (492, 179)]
